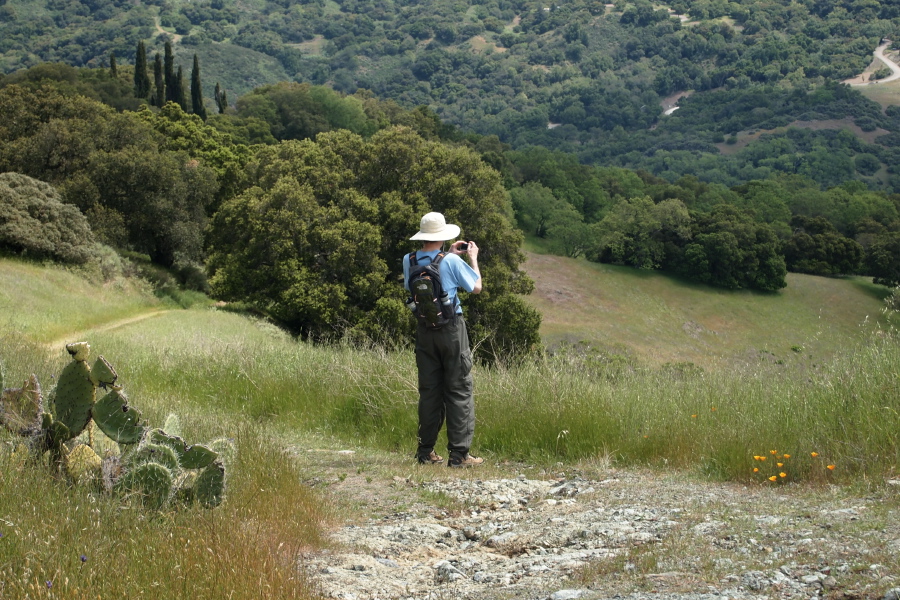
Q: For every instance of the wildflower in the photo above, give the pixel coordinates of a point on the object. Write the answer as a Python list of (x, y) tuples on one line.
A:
[(713, 409), (787, 455), (779, 464), (830, 467), (773, 451), (693, 416), (49, 584), (773, 478), (756, 469), (83, 558), (814, 454), (762, 458), (782, 475)]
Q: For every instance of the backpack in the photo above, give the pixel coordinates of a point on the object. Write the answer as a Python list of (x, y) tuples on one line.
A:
[(429, 301)]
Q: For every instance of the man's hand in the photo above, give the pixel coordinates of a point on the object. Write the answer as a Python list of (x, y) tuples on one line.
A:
[(472, 252), (463, 247)]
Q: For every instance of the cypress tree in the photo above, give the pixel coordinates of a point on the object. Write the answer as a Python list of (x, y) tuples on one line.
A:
[(197, 91), (159, 81), (179, 91), (141, 80), (169, 73), (221, 99), (113, 70)]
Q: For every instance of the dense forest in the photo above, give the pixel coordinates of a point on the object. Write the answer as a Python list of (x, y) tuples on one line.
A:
[(160, 176), (583, 77)]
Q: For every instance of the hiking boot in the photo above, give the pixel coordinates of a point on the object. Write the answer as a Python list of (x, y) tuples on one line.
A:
[(430, 458), (463, 462)]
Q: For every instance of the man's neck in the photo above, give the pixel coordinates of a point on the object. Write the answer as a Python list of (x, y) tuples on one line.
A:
[(432, 246)]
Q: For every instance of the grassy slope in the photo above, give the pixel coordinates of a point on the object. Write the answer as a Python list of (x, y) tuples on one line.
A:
[(228, 376), (659, 319), (48, 302)]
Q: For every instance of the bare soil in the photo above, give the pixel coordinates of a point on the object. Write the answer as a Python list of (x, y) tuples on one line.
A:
[(590, 531)]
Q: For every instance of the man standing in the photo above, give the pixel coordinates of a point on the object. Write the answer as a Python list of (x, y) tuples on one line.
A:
[(443, 356)]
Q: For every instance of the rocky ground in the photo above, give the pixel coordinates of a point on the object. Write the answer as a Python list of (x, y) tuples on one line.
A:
[(514, 531)]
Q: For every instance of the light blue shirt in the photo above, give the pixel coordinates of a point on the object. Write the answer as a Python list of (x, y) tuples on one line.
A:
[(455, 273)]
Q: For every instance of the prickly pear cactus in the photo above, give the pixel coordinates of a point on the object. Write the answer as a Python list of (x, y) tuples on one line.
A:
[(117, 420), (151, 481), (75, 391), (172, 426), (189, 457), (209, 488), (82, 463), (103, 374), (155, 466), (79, 350), (157, 453)]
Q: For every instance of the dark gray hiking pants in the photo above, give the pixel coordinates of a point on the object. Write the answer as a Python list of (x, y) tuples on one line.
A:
[(446, 388)]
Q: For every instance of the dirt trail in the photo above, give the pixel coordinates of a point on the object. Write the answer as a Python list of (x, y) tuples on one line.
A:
[(160, 31), (57, 344)]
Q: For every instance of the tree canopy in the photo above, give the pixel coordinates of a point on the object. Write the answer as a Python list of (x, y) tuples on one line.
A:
[(317, 240)]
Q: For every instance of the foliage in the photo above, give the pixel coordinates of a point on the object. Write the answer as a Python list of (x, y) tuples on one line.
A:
[(730, 250), (511, 69), (35, 222), (145, 181), (316, 242), (817, 248), (883, 259), (638, 232)]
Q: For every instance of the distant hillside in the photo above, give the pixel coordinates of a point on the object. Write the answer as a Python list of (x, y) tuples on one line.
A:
[(655, 319), (589, 78)]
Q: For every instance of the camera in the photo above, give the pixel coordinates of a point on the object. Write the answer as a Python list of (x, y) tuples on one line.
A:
[(463, 247)]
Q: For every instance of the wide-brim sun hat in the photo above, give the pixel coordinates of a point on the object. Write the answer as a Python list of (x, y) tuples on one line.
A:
[(434, 228)]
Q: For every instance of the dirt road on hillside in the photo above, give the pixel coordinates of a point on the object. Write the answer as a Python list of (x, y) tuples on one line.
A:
[(862, 79)]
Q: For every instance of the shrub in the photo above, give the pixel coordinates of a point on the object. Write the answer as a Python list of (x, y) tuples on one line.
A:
[(34, 222)]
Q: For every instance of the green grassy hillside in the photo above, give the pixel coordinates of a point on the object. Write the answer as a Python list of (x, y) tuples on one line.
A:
[(656, 319), (44, 302)]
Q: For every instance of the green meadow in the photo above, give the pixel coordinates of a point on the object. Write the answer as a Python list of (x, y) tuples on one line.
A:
[(655, 319), (802, 373)]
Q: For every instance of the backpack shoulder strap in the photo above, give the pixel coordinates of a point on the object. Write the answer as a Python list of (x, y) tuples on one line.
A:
[(413, 261)]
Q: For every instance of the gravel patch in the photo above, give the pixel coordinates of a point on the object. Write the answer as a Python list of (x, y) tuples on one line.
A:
[(627, 535)]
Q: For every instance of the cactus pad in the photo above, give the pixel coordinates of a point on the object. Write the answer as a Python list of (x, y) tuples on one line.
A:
[(172, 426), (189, 457), (209, 488), (74, 396), (79, 350), (197, 457), (21, 409), (158, 453), (82, 463), (226, 450), (102, 373), (151, 481), (185, 492), (117, 420), (55, 433)]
